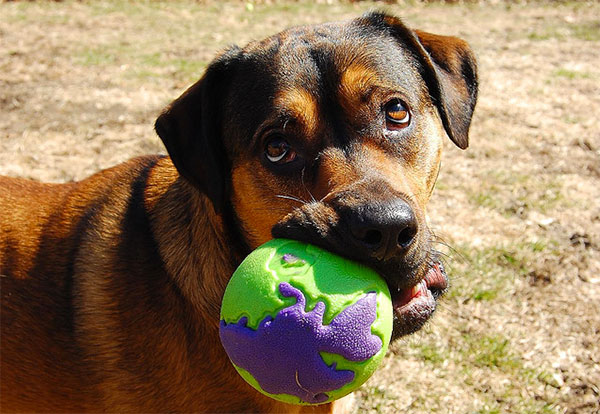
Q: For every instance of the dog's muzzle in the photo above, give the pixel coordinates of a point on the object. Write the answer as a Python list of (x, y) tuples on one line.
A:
[(385, 235)]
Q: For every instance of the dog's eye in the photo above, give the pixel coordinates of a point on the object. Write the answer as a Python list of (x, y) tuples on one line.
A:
[(278, 151), (397, 115)]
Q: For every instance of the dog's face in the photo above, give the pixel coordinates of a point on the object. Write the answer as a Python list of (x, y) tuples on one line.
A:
[(332, 135)]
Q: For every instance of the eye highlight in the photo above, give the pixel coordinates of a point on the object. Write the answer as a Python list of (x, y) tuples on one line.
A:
[(397, 115), (279, 151)]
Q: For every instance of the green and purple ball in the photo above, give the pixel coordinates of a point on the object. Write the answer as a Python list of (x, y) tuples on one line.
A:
[(302, 325)]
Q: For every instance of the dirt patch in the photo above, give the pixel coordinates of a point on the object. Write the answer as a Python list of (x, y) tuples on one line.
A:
[(82, 82)]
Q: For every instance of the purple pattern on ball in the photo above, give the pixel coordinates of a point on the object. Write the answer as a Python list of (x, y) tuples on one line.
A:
[(289, 258), (282, 354)]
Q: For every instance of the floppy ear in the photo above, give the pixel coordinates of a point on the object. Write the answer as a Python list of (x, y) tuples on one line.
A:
[(190, 129), (449, 69), (456, 72)]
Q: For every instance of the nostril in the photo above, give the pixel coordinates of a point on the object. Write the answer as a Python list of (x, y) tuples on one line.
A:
[(379, 230), (406, 236), (373, 237)]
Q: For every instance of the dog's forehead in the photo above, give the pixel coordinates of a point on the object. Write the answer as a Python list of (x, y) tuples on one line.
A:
[(308, 71), (312, 56)]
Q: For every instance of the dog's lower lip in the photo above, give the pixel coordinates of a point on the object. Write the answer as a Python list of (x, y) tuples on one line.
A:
[(434, 282), (436, 278), (406, 296), (414, 306)]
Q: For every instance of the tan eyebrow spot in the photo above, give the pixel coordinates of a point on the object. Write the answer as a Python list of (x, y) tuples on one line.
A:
[(358, 78), (302, 105), (355, 84)]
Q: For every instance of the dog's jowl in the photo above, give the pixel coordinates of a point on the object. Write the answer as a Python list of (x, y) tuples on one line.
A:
[(328, 134)]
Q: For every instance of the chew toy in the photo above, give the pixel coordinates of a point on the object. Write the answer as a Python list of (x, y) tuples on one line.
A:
[(302, 325)]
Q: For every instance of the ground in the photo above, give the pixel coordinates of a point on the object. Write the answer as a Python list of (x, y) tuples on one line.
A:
[(518, 213)]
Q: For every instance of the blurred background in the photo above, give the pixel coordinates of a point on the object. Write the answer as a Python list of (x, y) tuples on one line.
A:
[(517, 214)]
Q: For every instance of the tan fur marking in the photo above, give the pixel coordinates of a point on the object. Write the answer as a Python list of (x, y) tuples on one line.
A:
[(255, 204), (302, 105), (335, 173), (357, 78), (355, 84), (401, 177)]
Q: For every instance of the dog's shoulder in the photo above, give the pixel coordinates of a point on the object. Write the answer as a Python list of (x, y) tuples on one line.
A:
[(39, 219)]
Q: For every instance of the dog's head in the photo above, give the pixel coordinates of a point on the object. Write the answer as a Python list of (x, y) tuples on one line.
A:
[(332, 134)]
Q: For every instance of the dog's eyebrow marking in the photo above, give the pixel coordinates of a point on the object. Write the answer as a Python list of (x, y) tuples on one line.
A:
[(357, 82), (301, 105), (357, 85)]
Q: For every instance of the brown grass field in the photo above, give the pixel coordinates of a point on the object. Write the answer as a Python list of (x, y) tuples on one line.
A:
[(82, 82)]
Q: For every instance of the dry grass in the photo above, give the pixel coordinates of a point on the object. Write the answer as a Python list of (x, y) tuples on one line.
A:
[(81, 84)]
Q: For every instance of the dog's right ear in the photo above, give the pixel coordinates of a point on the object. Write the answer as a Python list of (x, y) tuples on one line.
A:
[(190, 129)]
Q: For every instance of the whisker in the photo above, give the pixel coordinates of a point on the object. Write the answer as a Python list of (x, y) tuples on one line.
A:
[(306, 188), (439, 240), (445, 256), (287, 197), (453, 252), (447, 308), (278, 210)]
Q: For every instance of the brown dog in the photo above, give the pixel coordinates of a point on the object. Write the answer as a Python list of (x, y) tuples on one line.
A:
[(329, 134)]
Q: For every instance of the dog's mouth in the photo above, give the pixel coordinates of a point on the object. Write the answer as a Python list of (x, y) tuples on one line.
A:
[(414, 288), (413, 306)]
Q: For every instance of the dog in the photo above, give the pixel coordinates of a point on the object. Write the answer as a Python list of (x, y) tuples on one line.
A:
[(329, 134)]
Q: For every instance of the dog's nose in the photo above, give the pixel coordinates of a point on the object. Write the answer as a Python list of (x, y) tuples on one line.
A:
[(383, 230)]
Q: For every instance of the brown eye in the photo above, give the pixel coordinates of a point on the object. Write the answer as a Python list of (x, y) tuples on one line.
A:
[(278, 151), (397, 115)]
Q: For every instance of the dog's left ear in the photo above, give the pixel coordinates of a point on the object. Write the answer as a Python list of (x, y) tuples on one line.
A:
[(456, 72), (449, 69), (190, 130)]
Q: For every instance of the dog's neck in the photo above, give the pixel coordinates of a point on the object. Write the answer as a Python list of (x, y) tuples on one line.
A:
[(192, 236)]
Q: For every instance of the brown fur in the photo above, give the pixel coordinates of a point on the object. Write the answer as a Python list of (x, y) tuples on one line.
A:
[(111, 286), (302, 106), (98, 317)]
